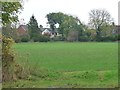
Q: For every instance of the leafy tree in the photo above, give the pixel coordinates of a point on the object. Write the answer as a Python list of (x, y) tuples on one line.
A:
[(54, 18), (90, 34), (9, 15), (98, 18), (66, 23), (9, 11), (10, 32), (107, 30), (33, 28)]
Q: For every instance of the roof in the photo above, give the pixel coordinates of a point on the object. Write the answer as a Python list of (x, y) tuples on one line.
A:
[(46, 31), (22, 30), (24, 27)]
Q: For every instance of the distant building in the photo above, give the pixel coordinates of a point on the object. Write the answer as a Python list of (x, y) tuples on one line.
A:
[(46, 31), (116, 29), (49, 32), (22, 30)]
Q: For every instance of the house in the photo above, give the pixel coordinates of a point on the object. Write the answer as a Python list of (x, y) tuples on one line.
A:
[(46, 31), (49, 32), (22, 30), (116, 29)]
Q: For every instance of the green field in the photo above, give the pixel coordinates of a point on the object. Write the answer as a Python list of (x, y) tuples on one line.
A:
[(64, 64)]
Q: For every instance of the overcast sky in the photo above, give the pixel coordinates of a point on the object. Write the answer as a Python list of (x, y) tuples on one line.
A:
[(79, 8)]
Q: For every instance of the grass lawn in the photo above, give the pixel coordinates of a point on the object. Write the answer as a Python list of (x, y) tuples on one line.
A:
[(69, 64)]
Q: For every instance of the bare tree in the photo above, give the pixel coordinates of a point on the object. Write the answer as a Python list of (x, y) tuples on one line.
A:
[(98, 18)]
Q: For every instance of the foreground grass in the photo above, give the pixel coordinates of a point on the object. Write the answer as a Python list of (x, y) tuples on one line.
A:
[(80, 79), (69, 64)]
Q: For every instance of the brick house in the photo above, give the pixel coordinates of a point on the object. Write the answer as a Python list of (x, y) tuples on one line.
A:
[(22, 30)]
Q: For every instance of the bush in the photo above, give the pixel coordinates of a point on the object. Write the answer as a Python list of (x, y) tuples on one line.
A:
[(10, 69), (25, 38), (118, 36), (72, 36), (41, 38), (107, 39), (44, 38), (84, 38), (7, 59), (35, 39), (57, 38), (17, 40)]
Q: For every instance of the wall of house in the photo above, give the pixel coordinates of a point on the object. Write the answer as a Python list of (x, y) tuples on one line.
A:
[(21, 31)]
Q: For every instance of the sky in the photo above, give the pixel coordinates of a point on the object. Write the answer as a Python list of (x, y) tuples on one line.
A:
[(79, 8)]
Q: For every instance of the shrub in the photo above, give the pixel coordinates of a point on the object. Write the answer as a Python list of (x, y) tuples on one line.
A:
[(108, 38), (35, 39), (7, 59), (118, 36), (17, 40), (58, 38), (10, 69), (44, 38), (25, 38), (72, 36), (84, 38), (41, 38)]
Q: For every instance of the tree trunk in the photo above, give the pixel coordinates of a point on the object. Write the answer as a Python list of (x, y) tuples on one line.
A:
[(98, 32)]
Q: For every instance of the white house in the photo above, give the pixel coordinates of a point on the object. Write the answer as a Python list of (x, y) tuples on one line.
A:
[(46, 31)]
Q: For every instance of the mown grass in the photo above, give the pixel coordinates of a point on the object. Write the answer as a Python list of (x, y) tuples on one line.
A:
[(71, 56), (63, 64)]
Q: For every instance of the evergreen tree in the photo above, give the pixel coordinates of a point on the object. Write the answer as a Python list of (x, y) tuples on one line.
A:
[(33, 28)]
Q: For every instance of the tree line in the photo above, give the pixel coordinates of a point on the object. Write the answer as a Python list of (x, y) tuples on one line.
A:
[(101, 27)]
